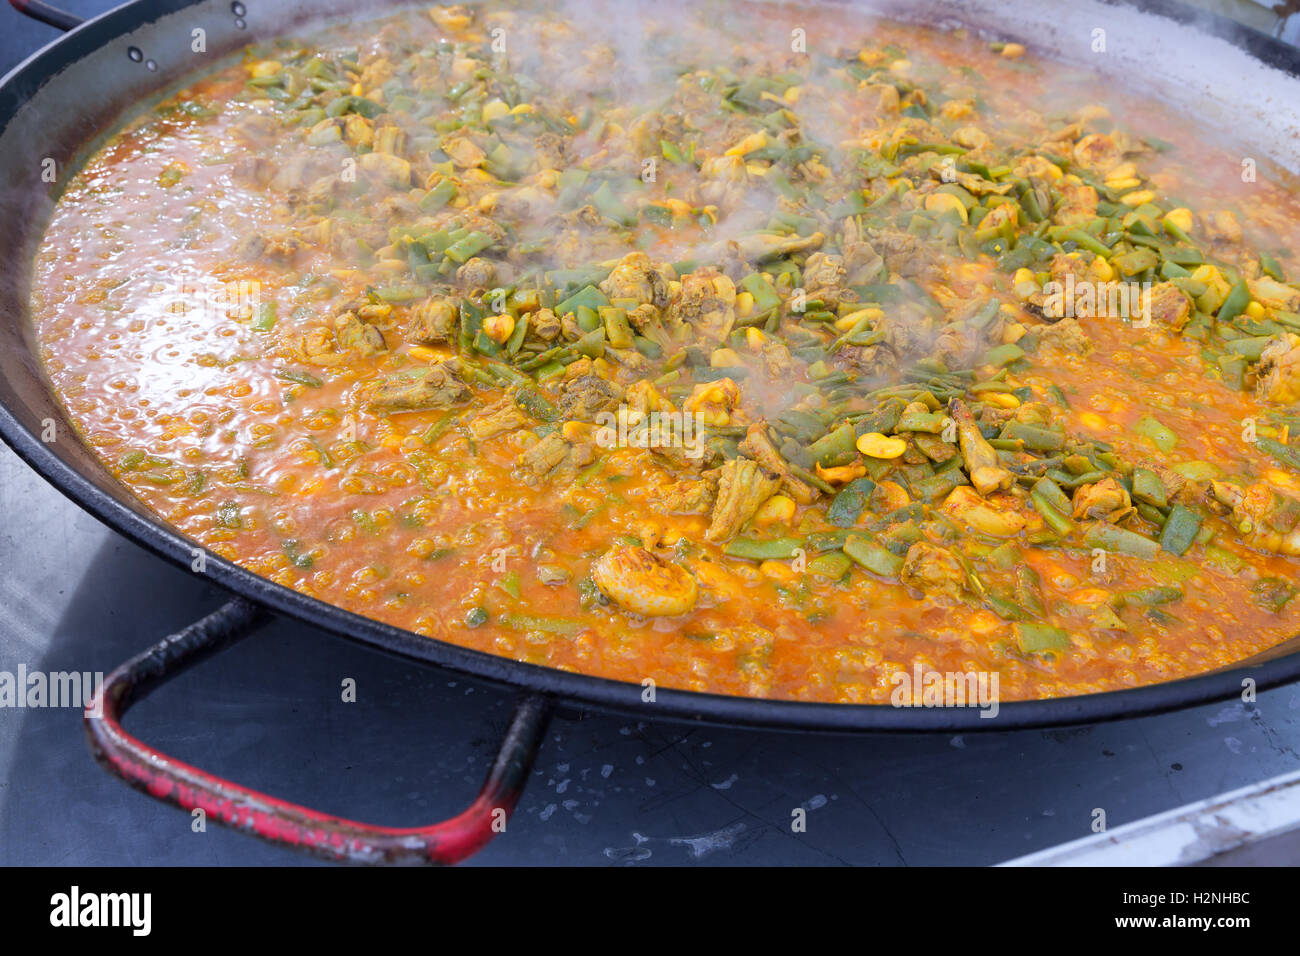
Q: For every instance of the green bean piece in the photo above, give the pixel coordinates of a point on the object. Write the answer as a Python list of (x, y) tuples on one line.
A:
[(1057, 520), (298, 377), (1158, 434), (1180, 530), (757, 549), (1051, 492), (833, 565), (1148, 488), (536, 404), (765, 295), (438, 196), (264, 317), (1283, 453), (1148, 596), (465, 249), (1035, 437), (1121, 541), (1003, 355), (836, 448), (1235, 303), (872, 555), (1036, 638), (1271, 267), (849, 504)]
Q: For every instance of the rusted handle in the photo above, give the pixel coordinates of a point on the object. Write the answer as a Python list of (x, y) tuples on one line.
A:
[(53, 16), (279, 821)]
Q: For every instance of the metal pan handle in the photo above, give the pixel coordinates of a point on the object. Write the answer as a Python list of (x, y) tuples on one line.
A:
[(45, 13), (279, 821)]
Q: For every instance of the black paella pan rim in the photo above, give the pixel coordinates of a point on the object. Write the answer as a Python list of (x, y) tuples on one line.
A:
[(130, 519)]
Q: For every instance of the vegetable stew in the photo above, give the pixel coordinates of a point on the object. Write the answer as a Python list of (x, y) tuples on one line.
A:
[(769, 353)]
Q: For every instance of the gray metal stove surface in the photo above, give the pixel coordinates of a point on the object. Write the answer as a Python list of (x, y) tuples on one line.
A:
[(605, 791)]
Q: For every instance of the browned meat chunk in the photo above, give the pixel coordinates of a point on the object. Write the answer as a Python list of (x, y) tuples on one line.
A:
[(355, 335), (435, 387), (432, 322), (1279, 370), (502, 416), (743, 486), (635, 278), (933, 570), (586, 396), (758, 446), (542, 458)]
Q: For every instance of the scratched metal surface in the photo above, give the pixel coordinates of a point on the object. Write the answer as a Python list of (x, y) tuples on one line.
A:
[(606, 791)]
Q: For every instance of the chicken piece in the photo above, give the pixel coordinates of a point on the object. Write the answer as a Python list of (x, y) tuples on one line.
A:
[(318, 346), (358, 131), (1003, 516), (477, 273), (438, 386), (386, 168), (823, 278), (933, 570), (758, 446), (1266, 519), (1073, 288), (500, 417), (1167, 305), (690, 495), (643, 397), (903, 252), (544, 324), (545, 456), (354, 335), (695, 456), (278, 247), (432, 322), (463, 152), (778, 362), (1106, 500), (585, 397), (764, 246), (1078, 203), (1177, 488), (871, 361), (742, 488), (714, 402), (1004, 213), (975, 185), (1221, 227), (982, 462), (640, 581), (707, 303), (1272, 294), (1279, 370), (635, 278), (1067, 335), (861, 261), (1098, 152)]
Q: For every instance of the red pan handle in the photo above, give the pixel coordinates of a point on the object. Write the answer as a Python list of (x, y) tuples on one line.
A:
[(53, 16), (279, 821)]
